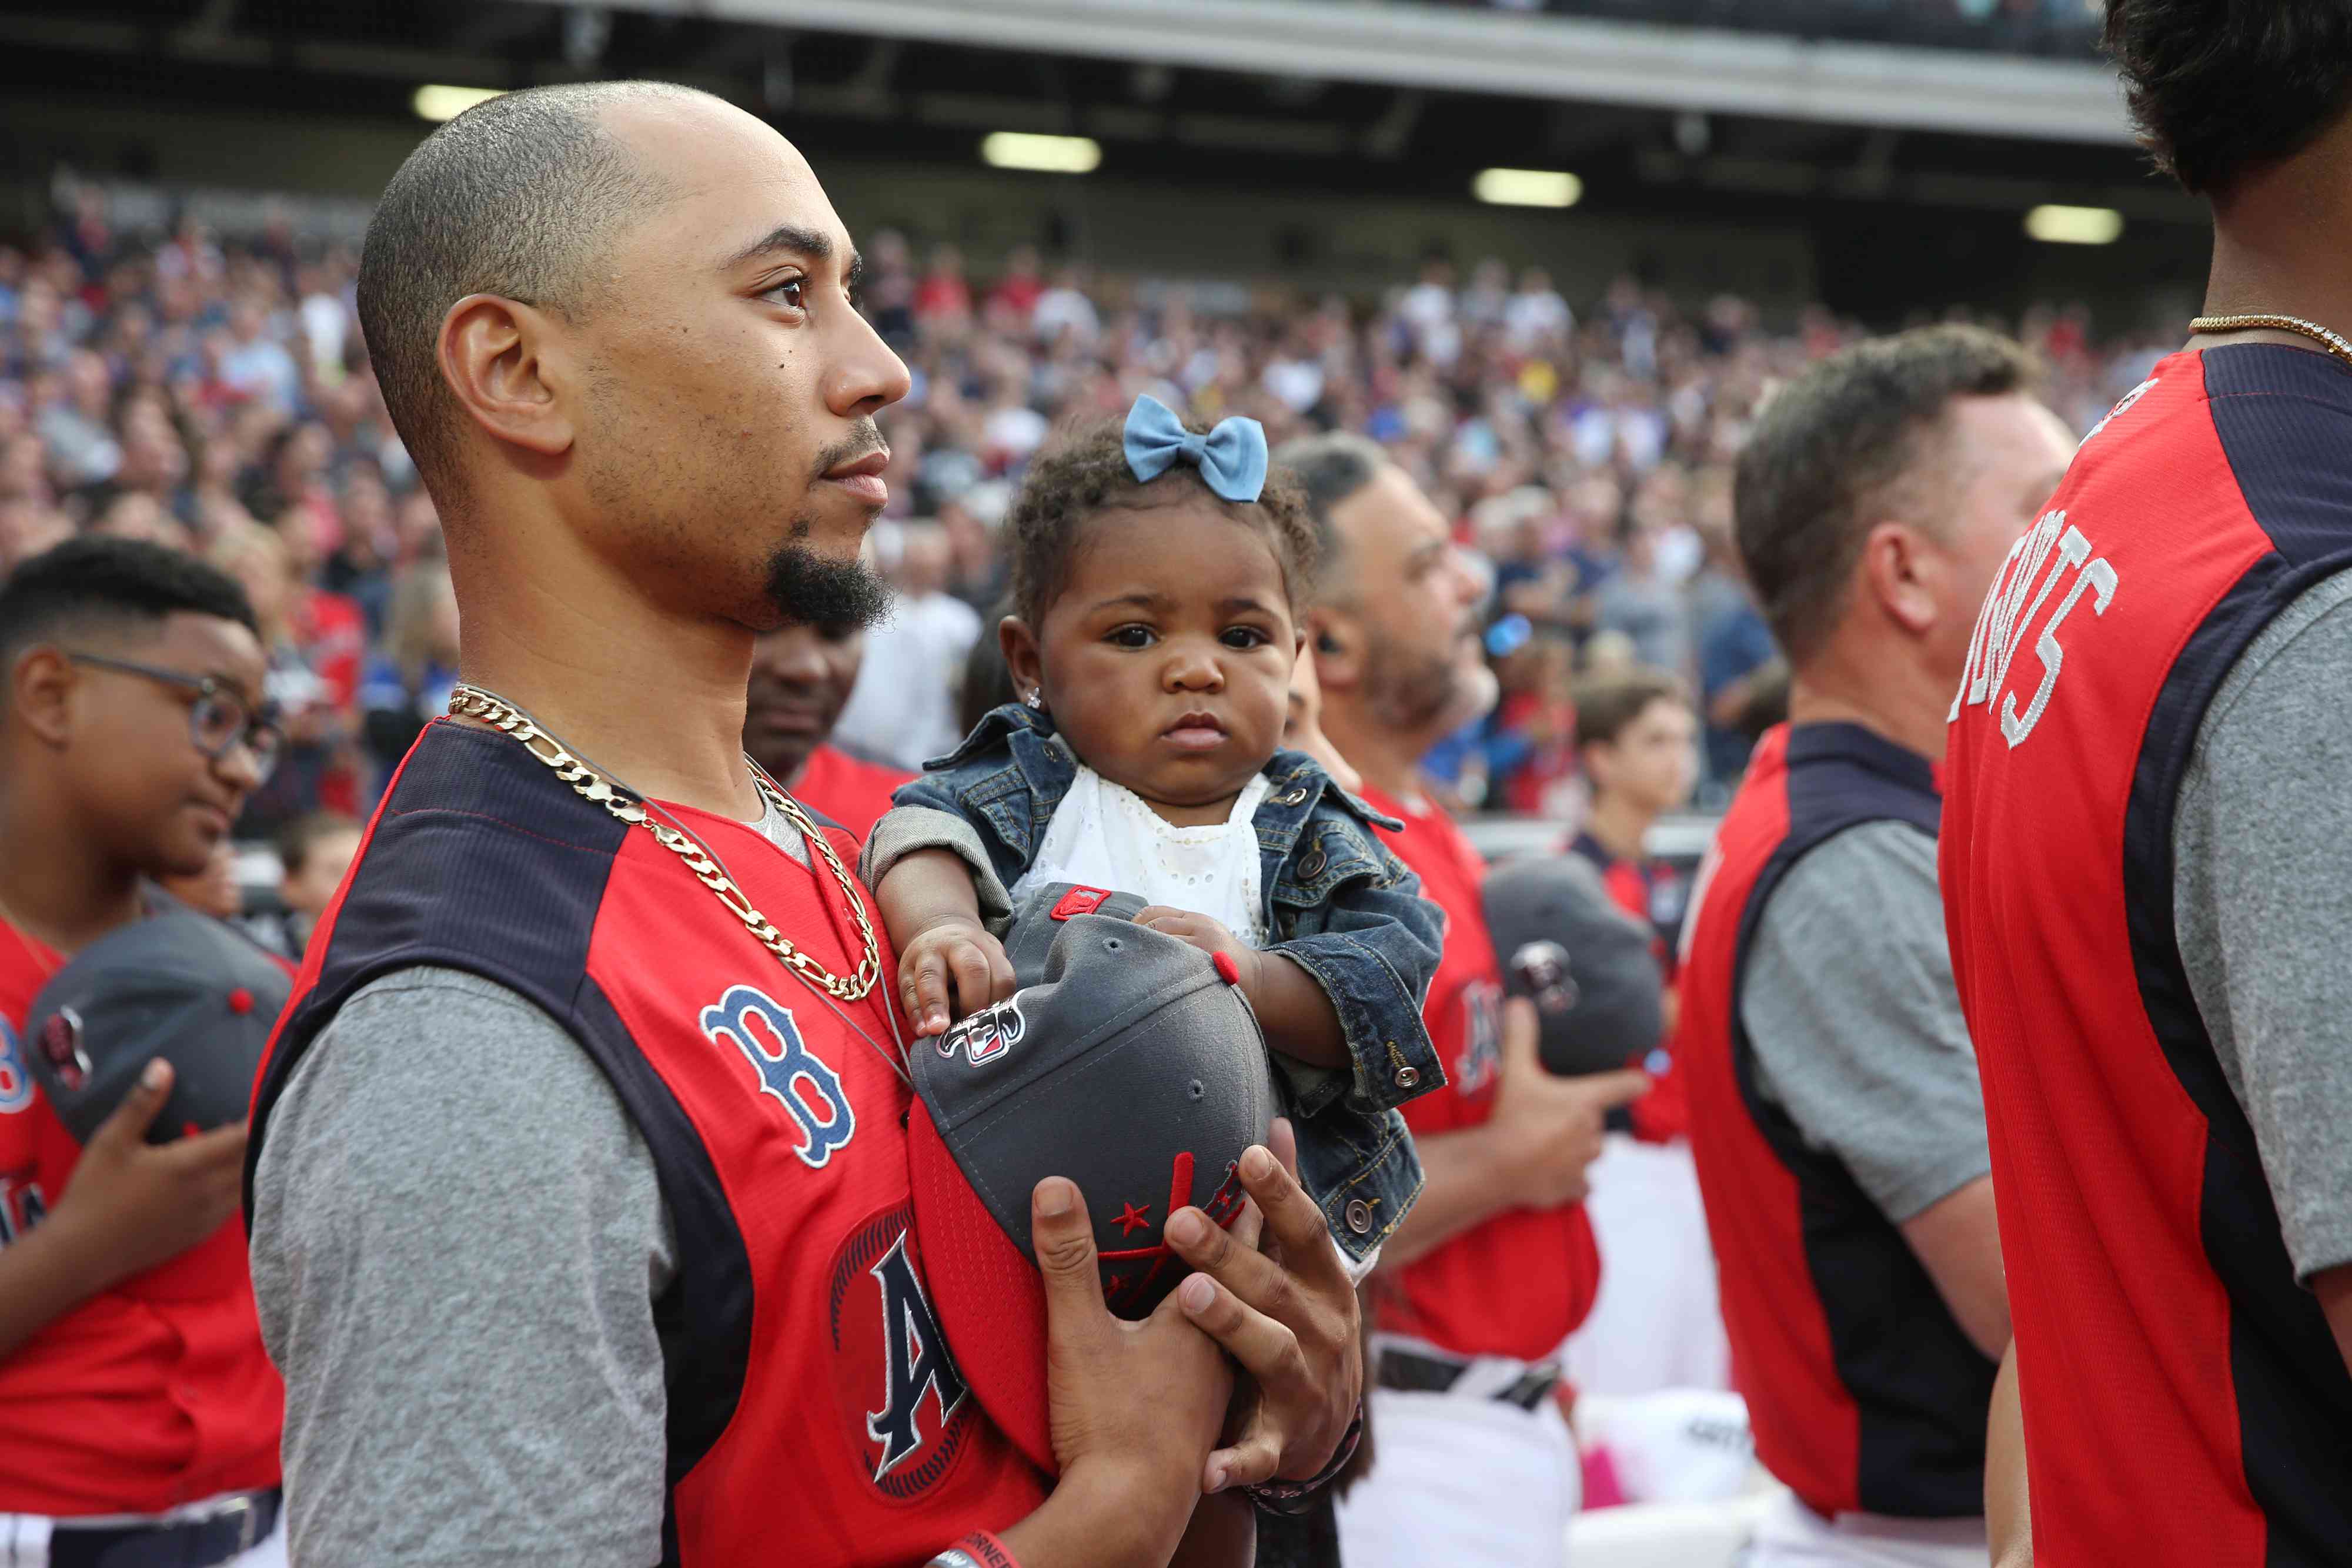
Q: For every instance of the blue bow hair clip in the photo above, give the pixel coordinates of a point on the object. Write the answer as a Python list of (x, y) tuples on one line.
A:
[(1230, 458)]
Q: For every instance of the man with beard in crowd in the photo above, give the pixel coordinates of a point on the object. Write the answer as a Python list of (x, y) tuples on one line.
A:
[(1472, 1464), (801, 676)]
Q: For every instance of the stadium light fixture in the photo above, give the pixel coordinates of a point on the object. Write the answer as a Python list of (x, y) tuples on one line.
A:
[(437, 102), (2074, 226), (1041, 154), (1527, 187)]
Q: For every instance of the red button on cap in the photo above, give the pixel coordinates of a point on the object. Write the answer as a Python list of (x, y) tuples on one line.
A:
[(240, 1001), (1227, 970)]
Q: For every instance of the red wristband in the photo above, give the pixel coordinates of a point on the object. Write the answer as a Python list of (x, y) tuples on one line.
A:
[(978, 1549)]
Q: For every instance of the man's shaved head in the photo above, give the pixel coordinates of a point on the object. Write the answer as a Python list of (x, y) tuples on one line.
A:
[(515, 197)]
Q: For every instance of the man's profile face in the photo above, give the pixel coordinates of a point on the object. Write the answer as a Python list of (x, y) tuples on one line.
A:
[(1415, 603), (2004, 457), (727, 438)]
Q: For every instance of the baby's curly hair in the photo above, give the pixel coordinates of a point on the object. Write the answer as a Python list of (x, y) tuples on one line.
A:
[(1087, 474)]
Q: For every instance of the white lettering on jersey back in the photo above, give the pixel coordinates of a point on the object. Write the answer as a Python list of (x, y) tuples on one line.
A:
[(2007, 617)]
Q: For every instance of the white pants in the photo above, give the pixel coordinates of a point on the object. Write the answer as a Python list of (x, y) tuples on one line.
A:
[(1462, 1482), (1792, 1535), (25, 1543), (1657, 1322)]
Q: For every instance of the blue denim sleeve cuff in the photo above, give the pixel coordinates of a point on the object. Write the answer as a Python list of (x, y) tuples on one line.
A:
[(904, 830), (1380, 1016)]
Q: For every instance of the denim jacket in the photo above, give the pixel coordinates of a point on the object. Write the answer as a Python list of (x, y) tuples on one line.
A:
[(1338, 903)]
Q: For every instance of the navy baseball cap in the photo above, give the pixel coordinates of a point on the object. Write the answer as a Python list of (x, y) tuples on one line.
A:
[(181, 986), (1131, 1065), (1591, 969)]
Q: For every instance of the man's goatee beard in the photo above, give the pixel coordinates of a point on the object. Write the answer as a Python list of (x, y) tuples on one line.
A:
[(810, 590)]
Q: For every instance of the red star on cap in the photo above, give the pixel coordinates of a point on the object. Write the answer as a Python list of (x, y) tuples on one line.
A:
[(1132, 1218)]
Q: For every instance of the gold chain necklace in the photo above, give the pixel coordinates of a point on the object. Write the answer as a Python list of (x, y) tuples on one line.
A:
[(472, 702), (2334, 343)]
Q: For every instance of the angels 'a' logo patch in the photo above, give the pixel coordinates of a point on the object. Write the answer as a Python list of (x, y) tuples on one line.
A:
[(988, 1036), (903, 1404)]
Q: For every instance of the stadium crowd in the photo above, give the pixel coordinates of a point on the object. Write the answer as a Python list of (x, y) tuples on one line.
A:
[(211, 391)]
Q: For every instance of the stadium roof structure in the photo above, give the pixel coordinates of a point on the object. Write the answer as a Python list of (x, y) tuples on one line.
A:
[(1542, 56)]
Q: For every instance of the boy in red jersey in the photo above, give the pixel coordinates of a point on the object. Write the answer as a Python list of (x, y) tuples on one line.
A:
[(1637, 739), (134, 1388), (1472, 1465), (2143, 863), (579, 1191), (1655, 1324)]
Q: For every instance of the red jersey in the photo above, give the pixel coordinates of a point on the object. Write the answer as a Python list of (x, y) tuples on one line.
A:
[(149, 1394), (853, 793), (2154, 1301), (1863, 1392), (1653, 892), (809, 1382), (1520, 1282)]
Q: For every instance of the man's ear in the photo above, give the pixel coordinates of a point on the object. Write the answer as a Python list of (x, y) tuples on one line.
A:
[(41, 685), (502, 363), (1339, 649), (1021, 657), (1903, 571)]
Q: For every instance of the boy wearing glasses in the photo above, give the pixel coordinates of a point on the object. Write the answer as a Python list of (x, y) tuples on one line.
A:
[(137, 1411)]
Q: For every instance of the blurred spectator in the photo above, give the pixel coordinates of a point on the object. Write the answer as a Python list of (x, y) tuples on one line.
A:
[(314, 850), (1015, 295), (408, 684), (1735, 653), (212, 891), (943, 300), (1640, 601), (801, 676), (903, 708), (308, 680)]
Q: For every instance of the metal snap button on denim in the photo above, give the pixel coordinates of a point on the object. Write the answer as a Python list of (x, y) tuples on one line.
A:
[(1291, 797), (1406, 1077), (1358, 1215), (1312, 862)]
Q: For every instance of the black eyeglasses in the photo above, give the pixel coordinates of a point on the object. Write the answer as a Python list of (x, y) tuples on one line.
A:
[(218, 718)]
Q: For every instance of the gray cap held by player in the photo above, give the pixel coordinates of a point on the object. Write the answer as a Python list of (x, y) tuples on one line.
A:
[(181, 986), (1588, 967)]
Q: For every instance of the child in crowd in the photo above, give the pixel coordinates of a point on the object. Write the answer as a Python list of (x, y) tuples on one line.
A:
[(315, 851), (1159, 574)]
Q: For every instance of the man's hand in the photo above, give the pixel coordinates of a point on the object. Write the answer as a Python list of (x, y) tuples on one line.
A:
[(1136, 1407), (1551, 1126), (131, 1205), (949, 969), (1285, 1311)]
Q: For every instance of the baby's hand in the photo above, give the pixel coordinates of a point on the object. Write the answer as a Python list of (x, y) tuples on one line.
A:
[(953, 955), (1210, 937)]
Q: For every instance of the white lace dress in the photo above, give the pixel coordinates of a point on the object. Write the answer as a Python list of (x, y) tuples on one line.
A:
[(1105, 835)]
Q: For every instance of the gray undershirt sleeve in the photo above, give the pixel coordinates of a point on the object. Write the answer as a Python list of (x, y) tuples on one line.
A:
[(2262, 903), (457, 1238), (904, 830), (1849, 1003)]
